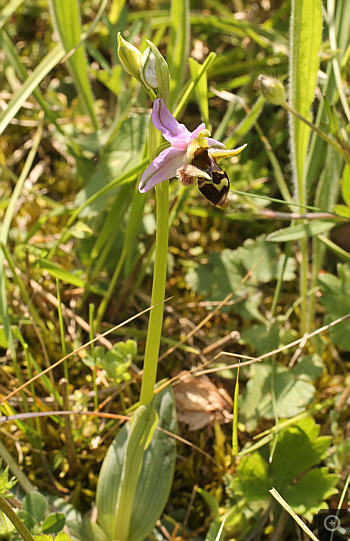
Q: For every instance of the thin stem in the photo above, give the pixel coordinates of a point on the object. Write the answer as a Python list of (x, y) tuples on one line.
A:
[(191, 87), (276, 166), (158, 294), (321, 133), (16, 521), (276, 215), (304, 284), (91, 337)]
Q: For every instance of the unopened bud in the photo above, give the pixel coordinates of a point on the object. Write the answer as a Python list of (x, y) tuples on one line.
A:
[(148, 69), (154, 71), (130, 57), (272, 90)]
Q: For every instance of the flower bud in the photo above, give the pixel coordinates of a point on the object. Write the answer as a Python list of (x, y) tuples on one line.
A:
[(148, 69), (130, 57), (154, 71), (272, 90)]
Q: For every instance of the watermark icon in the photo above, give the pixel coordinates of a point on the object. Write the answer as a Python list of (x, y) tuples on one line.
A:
[(334, 525)]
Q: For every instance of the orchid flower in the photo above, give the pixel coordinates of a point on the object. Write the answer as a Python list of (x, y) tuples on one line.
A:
[(191, 156)]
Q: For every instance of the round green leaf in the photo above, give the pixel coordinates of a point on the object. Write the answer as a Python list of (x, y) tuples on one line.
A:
[(36, 505), (53, 523)]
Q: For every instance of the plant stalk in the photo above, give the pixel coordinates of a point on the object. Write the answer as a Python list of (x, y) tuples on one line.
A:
[(16, 521), (158, 294), (319, 132)]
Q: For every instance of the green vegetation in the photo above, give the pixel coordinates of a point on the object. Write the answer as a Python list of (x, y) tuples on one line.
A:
[(166, 362)]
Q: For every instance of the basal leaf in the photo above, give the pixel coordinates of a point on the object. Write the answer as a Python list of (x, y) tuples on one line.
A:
[(153, 483), (80, 527), (53, 523), (261, 340), (210, 500), (221, 275), (308, 496), (109, 482), (157, 472), (225, 270), (265, 260), (35, 504), (253, 478), (309, 368), (142, 423), (299, 449), (292, 394)]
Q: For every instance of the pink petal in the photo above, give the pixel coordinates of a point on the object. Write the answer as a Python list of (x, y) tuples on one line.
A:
[(197, 130), (162, 168), (177, 134), (214, 143)]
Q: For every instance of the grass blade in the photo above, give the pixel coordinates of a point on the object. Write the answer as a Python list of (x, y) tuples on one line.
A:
[(14, 59), (45, 66), (336, 59), (341, 29), (66, 17), (4, 232), (7, 11), (289, 510), (345, 256), (300, 231), (191, 87), (326, 197), (235, 417), (201, 90), (306, 34), (178, 48)]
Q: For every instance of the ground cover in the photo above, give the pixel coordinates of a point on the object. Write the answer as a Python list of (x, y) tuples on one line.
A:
[(245, 264)]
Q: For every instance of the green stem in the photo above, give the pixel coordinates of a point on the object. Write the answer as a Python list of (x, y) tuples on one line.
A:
[(321, 133), (158, 294), (91, 337), (281, 183), (304, 284), (11, 515)]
